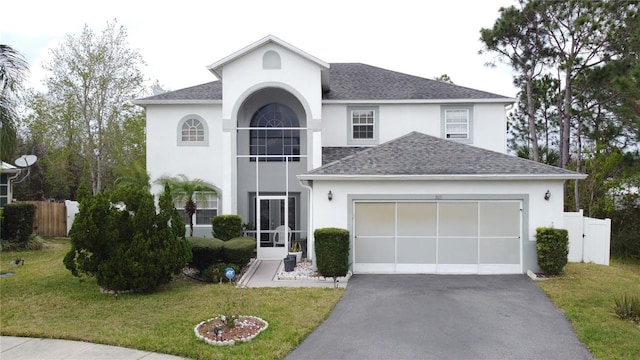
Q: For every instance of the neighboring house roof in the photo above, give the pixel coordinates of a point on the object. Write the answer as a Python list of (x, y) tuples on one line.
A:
[(416, 155), (353, 82), (8, 168)]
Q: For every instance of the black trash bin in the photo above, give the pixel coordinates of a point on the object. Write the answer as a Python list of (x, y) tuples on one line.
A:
[(289, 263)]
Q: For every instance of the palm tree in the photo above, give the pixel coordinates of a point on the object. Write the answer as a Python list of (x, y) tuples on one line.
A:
[(188, 191), (13, 68)]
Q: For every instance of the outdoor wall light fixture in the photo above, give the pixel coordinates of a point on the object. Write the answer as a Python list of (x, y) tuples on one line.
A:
[(330, 195), (547, 195)]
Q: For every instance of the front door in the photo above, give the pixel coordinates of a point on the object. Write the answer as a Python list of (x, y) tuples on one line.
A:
[(273, 230)]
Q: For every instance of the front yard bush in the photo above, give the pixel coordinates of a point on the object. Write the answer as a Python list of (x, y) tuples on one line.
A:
[(553, 249), (226, 227), (239, 250), (129, 246), (215, 273), (627, 307), (17, 223), (206, 251), (332, 251)]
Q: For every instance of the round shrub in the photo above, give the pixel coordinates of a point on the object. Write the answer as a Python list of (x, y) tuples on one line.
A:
[(226, 227), (239, 250), (215, 273), (206, 251)]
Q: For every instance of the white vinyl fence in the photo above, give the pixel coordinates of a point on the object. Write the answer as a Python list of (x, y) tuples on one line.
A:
[(73, 207), (589, 238)]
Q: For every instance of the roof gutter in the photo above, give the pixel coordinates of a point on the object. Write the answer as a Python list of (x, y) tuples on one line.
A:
[(453, 177)]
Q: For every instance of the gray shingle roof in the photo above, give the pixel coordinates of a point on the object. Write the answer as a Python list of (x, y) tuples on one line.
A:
[(209, 91), (420, 154), (333, 153), (352, 81)]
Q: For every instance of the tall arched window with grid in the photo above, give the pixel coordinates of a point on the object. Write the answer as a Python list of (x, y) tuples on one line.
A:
[(275, 131)]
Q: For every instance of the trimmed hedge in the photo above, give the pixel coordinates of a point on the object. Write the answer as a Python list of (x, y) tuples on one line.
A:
[(206, 251), (332, 252), (553, 249), (226, 227), (17, 223), (239, 250)]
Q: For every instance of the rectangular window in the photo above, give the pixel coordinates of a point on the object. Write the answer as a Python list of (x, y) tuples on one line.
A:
[(456, 123), (206, 209), (362, 123)]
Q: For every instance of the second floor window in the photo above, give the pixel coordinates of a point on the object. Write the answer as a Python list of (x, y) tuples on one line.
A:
[(192, 131), (456, 123), (276, 133), (362, 123)]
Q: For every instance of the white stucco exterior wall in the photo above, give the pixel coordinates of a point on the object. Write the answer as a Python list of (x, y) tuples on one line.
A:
[(488, 123), (247, 73), (166, 157)]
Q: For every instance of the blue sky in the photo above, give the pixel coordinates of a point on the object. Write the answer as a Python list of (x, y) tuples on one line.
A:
[(179, 39)]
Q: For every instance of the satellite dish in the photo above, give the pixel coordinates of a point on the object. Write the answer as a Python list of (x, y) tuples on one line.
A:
[(26, 161)]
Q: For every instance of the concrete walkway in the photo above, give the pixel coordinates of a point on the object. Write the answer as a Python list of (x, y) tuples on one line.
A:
[(23, 348), (264, 273)]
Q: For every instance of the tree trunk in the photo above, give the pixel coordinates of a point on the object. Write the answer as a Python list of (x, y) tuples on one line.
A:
[(533, 136)]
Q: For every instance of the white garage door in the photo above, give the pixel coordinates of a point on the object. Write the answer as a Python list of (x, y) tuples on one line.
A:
[(461, 237)]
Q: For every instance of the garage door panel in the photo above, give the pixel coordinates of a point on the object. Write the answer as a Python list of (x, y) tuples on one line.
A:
[(375, 219), (458, 251), (457, 237), (416, 250), (417, 219), (458, 219), (374, 249), (499, 251), (499, 219)]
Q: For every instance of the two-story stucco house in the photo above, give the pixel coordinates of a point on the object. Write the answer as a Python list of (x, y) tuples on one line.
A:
[(415, 169)]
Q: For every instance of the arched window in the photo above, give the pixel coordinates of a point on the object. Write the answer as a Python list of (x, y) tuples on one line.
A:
[(192, 130), (277, 133)]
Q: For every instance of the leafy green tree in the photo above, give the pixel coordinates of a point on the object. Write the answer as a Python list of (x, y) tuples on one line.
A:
[(189, 191), (86, 115), (444, 78), (13, 69)]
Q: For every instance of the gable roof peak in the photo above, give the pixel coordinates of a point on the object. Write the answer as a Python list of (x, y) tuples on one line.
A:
[(216, 67)]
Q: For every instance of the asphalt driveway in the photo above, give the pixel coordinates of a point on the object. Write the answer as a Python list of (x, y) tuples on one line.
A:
[(443, 317)]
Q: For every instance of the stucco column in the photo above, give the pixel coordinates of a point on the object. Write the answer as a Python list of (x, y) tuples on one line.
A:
[(229, 168)]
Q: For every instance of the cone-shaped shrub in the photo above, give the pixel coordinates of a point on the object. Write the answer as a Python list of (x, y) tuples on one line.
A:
[(129, 246)]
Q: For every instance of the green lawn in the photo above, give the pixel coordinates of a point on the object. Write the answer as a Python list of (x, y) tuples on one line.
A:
[(43, 299), (586, 295)]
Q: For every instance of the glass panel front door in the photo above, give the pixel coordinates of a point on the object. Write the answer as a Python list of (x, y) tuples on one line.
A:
[(274, 229)]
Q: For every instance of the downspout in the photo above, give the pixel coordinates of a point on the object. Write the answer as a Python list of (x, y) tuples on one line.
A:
[(10, 188), (308, 184)]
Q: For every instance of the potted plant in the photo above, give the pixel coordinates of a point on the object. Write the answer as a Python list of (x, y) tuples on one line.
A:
[(296, 249)]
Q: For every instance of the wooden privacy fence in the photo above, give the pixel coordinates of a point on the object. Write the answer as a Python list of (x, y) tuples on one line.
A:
[(50, 219)]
